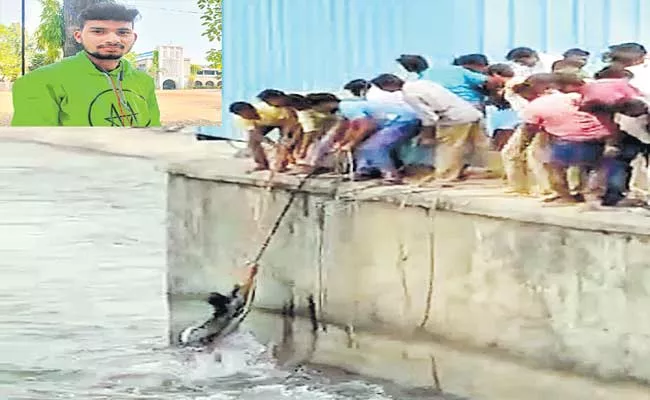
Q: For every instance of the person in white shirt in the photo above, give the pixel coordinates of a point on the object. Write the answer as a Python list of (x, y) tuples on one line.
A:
[(456, 122), (633, 57), (525, 62)]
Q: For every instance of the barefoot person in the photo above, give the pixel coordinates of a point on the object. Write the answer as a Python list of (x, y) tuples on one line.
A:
[(95, 87), (577, 137), (454, 121), (260, 119)]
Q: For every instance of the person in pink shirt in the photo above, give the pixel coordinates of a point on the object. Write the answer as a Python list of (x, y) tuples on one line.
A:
[(611, 93), (577, 136)]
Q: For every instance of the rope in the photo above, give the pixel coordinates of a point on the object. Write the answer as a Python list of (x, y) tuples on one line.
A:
[(350, 158), (276, 225)]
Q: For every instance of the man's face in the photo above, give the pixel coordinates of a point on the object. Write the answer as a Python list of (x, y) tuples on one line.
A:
[(571, 88), (327, 107), (249, 114), (106, 40), (529, 61), (481, 69), (391, 87), (280, 101), (578, 61)]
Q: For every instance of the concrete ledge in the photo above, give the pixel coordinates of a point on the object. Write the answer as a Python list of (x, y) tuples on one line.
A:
[(478, 197), (205, 160)]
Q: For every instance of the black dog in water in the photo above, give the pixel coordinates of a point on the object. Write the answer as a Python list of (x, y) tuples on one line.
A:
[(228, 312)]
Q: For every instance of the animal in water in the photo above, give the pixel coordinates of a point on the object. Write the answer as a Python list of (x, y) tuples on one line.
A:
[(228, 313)]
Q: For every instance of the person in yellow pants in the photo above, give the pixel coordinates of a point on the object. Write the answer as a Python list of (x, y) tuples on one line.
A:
[(524, 155)]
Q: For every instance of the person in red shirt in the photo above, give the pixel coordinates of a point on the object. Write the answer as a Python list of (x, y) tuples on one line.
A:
[(577, 136), (612, 94)]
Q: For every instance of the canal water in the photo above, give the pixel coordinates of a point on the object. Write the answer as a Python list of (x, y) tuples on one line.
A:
[(82, 305)]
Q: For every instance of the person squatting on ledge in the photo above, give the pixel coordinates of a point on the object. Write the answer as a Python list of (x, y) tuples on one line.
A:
[(564, 135)]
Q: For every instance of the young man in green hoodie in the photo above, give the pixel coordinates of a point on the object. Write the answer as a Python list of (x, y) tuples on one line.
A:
[(95, 87)]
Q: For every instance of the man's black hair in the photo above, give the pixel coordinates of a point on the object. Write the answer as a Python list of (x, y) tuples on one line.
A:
[(108, 11), (239, 106), (471, 59), (613, 72), (356, 86), (299, 102), (630, 47), (501, 69), (624, 53), (319, 98), (413, 62), (519, 53), (384, 80), (269, 94), (576, 52)]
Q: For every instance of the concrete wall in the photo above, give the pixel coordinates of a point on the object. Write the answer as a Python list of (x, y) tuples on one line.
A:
[(542, 293)]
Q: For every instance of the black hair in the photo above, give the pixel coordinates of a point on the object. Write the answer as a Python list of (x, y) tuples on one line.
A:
[(471, 59), (624, 53), (107, 11), (504, 70), (319, 98), (613, 72), (519, 53), (384, 80), (563, 79), (576, 52), (299, 102), (544, 79), (239, 106), (630, 47), (268, 94), (356, 86), (413, 62), (559, 65)]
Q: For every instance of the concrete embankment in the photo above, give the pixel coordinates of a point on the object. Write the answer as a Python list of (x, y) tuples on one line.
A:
[(465, 289)]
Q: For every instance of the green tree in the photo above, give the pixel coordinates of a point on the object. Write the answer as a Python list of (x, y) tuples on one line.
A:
[(37, 60), (194, 69), (50, 35), (10, 47), (212, 21), (154, 70), (214, 58)]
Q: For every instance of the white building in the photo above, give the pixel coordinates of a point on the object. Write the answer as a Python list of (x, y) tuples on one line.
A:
[(207, 77), (174, 68)]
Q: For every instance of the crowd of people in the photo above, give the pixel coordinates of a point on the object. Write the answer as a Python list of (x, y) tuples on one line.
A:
[(564, 134)]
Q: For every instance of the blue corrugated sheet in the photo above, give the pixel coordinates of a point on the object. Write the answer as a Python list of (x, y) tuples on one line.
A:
[(298, 45)]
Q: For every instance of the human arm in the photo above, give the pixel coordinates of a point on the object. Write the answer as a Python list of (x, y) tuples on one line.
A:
[(357, 132), (35, 103)]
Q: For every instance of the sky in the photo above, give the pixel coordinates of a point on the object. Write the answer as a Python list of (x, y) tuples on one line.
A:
[(162, 22)]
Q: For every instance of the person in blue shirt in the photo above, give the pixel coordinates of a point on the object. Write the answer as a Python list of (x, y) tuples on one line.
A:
[(385, 127), (394, 126), (467, 76)]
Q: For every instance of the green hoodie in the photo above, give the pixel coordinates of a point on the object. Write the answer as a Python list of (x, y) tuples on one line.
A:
[(74, 92)]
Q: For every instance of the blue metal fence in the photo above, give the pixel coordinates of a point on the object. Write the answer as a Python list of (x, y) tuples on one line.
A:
[(301, 45)]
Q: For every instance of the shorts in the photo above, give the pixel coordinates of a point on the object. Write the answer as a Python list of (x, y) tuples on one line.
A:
[(565, 153)]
